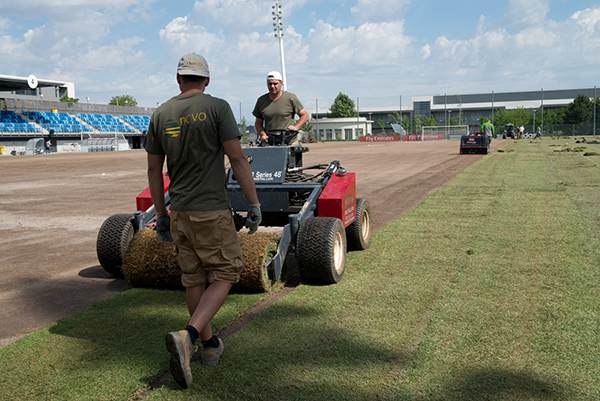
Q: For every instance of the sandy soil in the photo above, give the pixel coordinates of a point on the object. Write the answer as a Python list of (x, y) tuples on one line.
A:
[(52, 206)]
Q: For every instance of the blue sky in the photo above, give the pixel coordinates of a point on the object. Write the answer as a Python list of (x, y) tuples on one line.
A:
[(376, 50)]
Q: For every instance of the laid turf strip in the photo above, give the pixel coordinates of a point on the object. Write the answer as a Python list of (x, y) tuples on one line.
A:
[(489, 290)]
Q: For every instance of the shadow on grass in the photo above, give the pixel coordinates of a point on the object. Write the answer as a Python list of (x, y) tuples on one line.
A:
[(499, 384), (34, 302), (292, 352), (126, 330), (97, 272)]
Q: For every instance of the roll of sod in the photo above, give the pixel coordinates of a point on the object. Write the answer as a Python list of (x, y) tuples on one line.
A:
[(257, 251), (152, 263)]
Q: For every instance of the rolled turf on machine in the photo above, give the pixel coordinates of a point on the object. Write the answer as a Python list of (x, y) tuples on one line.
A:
[(152, 263)]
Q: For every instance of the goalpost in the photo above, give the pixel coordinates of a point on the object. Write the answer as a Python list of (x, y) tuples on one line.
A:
[(104, 142), (429, 133)]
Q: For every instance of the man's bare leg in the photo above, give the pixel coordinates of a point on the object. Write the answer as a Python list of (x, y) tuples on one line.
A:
[(192, 298), (210, 301)]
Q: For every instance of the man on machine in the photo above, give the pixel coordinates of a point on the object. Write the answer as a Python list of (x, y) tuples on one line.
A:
[(275, 111)]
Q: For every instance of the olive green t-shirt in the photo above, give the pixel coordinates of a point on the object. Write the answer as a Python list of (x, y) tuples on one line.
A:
[(278, 114), (190, 131)]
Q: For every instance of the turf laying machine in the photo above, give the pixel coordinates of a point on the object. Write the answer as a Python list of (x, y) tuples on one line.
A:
[(311, 217), (476, 142)]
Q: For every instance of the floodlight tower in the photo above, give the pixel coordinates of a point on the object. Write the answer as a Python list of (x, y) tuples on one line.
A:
[(278, 29)]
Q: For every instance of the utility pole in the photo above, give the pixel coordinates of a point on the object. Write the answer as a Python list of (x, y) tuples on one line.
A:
[(445, 116), (595, 101), (492, 107), (459, 109), (318, 133), (278, 28), (542, 111), (358, 116)]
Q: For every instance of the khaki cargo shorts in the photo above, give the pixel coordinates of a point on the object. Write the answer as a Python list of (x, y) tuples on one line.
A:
[(208, 248)]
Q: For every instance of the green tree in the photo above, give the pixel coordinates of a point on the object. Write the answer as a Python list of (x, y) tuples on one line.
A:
[(424, 121), (309, 133), (67, 99), (580, 110), (397, 119), (343, 106), (517, 117), (243, 127), (453, 121), (123, 100), (551, 116)]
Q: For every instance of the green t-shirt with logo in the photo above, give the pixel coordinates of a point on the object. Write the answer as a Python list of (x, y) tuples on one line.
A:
[(278, 114), (190, 131)]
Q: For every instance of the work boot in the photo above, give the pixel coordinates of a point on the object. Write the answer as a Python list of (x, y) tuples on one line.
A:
[(210, 355), (181, 348)]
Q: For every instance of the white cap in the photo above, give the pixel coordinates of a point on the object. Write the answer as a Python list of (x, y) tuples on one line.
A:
[(193, 64), (274, 75)]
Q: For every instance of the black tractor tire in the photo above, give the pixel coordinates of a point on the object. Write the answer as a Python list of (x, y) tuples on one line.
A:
[(114, 237), (321, 250), (358, 234)]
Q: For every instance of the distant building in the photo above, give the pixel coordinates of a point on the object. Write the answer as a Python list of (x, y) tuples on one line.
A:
[(31, 87), (341, 129), (467, 109)]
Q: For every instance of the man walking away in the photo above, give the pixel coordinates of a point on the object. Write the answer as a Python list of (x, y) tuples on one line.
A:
[(193, 131)]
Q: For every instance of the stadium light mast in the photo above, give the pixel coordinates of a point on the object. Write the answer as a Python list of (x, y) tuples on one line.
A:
[(278, 29)]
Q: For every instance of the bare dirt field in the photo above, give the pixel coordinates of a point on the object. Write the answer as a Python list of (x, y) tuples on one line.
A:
[(52, 206)]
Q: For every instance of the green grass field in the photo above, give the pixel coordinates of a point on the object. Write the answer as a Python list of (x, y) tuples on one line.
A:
[(489, 290)]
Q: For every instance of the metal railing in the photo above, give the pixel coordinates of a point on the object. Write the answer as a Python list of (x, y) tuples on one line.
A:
[(20, 105)]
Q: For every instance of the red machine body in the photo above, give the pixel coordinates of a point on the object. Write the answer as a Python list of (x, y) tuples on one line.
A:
[(143, 200), (338, 198)]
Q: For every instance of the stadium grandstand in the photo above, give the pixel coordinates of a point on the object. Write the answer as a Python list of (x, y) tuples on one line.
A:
[(31, 108)]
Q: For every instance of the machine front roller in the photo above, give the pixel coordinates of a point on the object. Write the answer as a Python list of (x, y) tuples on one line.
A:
[(113, 240), (152, 263)]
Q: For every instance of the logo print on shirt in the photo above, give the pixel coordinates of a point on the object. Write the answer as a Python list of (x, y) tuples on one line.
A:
[(172, 129)]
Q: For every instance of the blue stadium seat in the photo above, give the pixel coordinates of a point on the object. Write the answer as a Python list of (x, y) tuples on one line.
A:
[(11, 122), (58, 121)]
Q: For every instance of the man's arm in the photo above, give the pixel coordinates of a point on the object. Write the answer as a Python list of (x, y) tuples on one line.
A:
[(241, 169), (260, 129), (156, 183), (303, 119)]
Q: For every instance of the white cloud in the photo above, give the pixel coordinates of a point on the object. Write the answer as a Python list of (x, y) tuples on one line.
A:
[(425, 52), (123, 52), (55, 5), (366, 44), (588, 19), (183, 36), (529, 12), (379, 10), (535, 37), (263, 47), (549, 54), (4, 24), (240, 14)]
